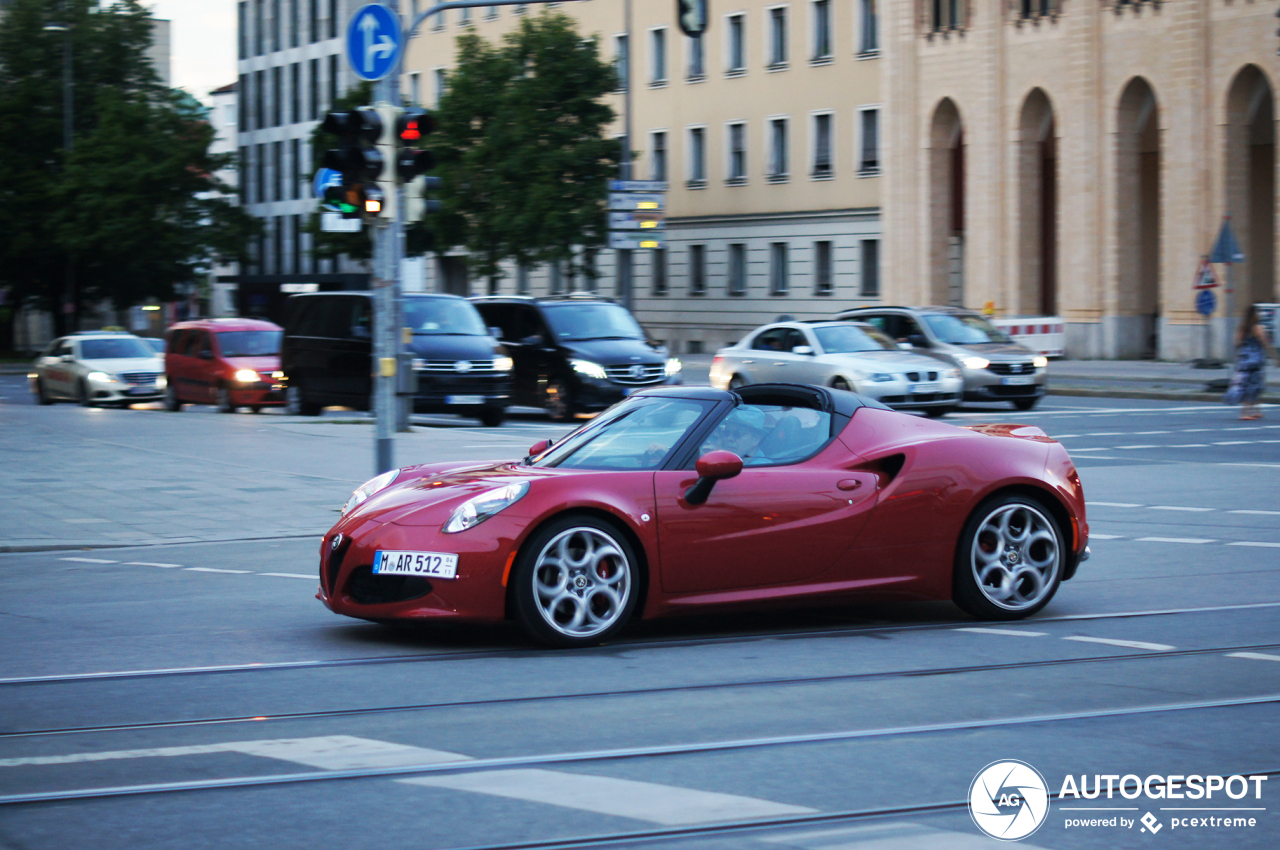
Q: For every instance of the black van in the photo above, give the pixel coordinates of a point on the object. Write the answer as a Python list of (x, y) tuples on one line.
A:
[(575, 353), (327, 354)]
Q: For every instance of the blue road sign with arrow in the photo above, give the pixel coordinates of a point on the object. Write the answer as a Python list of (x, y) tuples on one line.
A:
[(374, 41)]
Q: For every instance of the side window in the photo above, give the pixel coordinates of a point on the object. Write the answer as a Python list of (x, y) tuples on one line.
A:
[(881, 323), (177, 339), (907, 328), (770, 434), (361, 321), (770, 340), (498, 316), (63, 347), (530, 324), (793, 338), (200, 342), (301, 316)]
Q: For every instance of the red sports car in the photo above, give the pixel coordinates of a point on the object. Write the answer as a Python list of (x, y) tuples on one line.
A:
[(683, 499)]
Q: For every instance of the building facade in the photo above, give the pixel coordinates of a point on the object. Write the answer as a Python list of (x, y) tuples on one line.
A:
[(1078, 157)]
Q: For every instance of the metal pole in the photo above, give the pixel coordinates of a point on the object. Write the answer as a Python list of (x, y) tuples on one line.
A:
[(386, 295), (68, 121), (624, 257)]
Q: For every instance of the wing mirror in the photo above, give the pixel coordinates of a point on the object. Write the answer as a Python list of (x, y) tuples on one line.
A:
[(494, 332), (539, 447), (802, 349), (712, 467), (67, 358), (206, 355), (918, 341)]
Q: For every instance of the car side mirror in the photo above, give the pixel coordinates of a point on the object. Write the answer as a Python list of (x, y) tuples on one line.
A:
[(206, 355), (918, 340), (67, 358), (496, 333), (905, 346), (712, 467), (802, 349), (539, 447), (533, 339)]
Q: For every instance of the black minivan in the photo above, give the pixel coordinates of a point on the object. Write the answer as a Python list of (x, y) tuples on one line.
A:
[(327, 354), (575, 353)]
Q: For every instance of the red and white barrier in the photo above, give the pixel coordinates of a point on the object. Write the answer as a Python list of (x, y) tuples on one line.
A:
[(1045, 334)]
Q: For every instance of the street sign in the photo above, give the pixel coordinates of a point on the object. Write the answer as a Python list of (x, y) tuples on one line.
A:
[(636, 202), (1206, 302), (633, 241), (637, 185), (325, 178), (374, 41), (1205, 278), (1225, 248), (636, 221), (333, 222)]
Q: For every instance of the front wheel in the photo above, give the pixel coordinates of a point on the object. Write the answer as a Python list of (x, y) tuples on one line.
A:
[(42, 395), (225, 405), (556, 402), (296, 403), (1010, 559), (1026, 403), (492, 417), (171, 401), (576, 582)]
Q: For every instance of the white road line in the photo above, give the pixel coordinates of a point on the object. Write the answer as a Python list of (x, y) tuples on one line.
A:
[(1266, 465), (1137, 447), (890, 836), (1260, 513), (290, 575), (1107, 434), (151, 564), (1015, 632), (1190, 446), (1179, 508), (1195, 430), (214, 570), (1128, 644), (1234, 442), (1094, 449), (1252, 543), (1145, 433), (1095, 536), (606, 795), (89, 560), (1256, 656), (1115, 505), (86, 520), (1173, 540)]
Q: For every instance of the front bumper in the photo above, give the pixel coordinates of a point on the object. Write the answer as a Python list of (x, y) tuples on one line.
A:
[(902, 395), (125, 392), (985, 385), (444, 393), (260, 394)]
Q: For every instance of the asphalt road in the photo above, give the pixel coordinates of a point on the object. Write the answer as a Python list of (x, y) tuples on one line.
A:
[(170, 681)]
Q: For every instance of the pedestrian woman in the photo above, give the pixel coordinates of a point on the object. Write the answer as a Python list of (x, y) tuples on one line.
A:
[(1252, 350)]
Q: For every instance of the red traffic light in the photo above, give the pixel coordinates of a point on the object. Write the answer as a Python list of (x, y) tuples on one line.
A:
[(413, 124)]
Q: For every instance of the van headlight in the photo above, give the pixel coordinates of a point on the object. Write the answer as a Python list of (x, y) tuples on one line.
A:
[(477, 509), (1040, 362), (975, 362), (591, 370), (503, 364), (673, 366), (246, 376), (367, 489)]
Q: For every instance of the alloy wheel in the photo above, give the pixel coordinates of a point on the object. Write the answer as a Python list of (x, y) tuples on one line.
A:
[(1016, 557), (582, 582)]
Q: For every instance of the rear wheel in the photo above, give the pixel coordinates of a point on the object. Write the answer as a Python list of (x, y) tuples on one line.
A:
[(1026, 403), (171, 401), (42, 395), (556, 401), (936, 412), (255, 408), (491, 417), (296, 402), (737, 382), (225, 405), (576, 582), (1010, 559)]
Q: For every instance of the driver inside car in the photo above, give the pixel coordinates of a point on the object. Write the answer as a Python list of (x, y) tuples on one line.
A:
[(740, 432)]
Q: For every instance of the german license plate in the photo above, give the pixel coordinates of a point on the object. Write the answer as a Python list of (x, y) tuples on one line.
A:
[(147, 390), (464, 399), (1018, 380), (925, 388), (433, 564)]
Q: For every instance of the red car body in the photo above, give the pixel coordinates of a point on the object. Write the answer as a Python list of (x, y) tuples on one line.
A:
[(876, 513), (202, 367)]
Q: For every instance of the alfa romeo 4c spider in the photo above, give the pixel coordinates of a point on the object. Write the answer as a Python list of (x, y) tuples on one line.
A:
[(693, 499)]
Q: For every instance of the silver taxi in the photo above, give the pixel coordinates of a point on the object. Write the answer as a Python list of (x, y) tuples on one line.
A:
[(107, 368)]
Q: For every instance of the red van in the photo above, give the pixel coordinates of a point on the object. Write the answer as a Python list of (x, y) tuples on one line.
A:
[(231, 363)]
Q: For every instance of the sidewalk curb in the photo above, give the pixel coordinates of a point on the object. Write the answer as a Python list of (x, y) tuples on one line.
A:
[(1161, 395), (19, 548)]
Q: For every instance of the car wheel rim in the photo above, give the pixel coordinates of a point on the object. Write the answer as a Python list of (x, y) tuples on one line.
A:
[(1016, 555), (581, 582)]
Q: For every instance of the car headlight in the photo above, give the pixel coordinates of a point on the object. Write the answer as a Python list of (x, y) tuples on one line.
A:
[(591, 370), (952, 373), (880, 377), (975, 362), (161, 382), (503, 364), (1040, 362), (276, 376), (246, 376), (477, 509), (101, 378), (673, 366), (367, 489)]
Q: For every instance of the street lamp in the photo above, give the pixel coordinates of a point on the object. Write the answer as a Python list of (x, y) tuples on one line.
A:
[(68, 117)]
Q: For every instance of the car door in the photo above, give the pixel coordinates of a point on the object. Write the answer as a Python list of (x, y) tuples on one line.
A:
[(805, 368), (59, 378), (766, 362), (773, 524)]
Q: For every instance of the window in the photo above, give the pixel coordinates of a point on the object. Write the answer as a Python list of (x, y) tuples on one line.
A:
[(1032, 9), (260, 169), (440, 83), (313, 88), (277, 26), (279, 189), (778, 282), (242, 101), (293, 21), (522, 279), (869, 146), (697, 269), (260, 89), (333, 77), (870, 285), (333, 18), (464, 16), (259, 30), (869, 42), (491, 13), (521, 8), (622, 62), (242, 28), (697, 58), (659, 161), (737, 269), (556, 273), (297, 170), (295, 97), (822, 166), (821, 30), (697, 157), (415, 88), (737, 153), (437, 23), (277, 96), (945, 15), (822, 268), (778, 37), (313, 28), (658, 269), (658, 56), (777, 149), (295, 229), (737, 53)]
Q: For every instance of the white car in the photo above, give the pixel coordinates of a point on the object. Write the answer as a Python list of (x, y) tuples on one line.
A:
[(98, 368), (842, 355)]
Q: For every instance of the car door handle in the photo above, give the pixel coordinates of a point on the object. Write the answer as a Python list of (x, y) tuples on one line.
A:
[(849, 484), (780, 363)]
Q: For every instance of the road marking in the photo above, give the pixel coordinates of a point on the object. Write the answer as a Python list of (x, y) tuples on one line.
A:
[(1114, 505), (151, 564), (606, 795), (1145, 433), (1015, 632), (1235, 442), (291, 575), (1173, 540), (890, 836), (214, 570), (1136, 447), (89, 560), (86, 520), (1260, 513), (1106, 434), (1266, 465), (1256, 656), (1178, 508), (1128, 644), (1095, 536), (1095, 449), (1195, 430), (1253, 543), (1190, 446)]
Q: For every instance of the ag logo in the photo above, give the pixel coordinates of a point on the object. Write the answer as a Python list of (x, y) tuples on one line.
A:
[(1008, 800)]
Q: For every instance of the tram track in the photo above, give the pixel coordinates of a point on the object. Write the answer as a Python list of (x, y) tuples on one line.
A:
[(882, 675)]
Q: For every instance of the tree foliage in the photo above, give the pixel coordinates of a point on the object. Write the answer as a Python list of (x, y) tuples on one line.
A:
[(521, 147), (135, 203)]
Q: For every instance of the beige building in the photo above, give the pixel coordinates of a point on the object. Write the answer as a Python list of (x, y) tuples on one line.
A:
[(1077, 158), (767, 132)]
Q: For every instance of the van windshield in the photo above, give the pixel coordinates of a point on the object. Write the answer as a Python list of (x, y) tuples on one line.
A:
[(443, 316), (249, 343), (592, 321)]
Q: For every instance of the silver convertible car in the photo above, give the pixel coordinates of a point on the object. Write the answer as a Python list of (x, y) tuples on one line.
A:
[(843, 355)]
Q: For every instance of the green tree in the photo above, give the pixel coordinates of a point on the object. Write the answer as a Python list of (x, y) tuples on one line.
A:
[(135, 203), (521, 147)]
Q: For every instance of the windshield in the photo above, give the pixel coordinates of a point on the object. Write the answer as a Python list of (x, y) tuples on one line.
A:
[(636, 434), (110, 349), (443, 316), (842, 339), (964, 330), (592, 321), (249, 343)]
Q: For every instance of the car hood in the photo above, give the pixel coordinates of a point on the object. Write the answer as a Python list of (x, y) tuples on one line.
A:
[(452, 347), (1000, 351), (418, 489), (263, 363), (114, 365), (615, 352), (881, 361)]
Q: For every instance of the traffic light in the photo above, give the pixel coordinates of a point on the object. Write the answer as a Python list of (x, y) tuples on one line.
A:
[(359, 161), (412, 161), (692, 17)]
